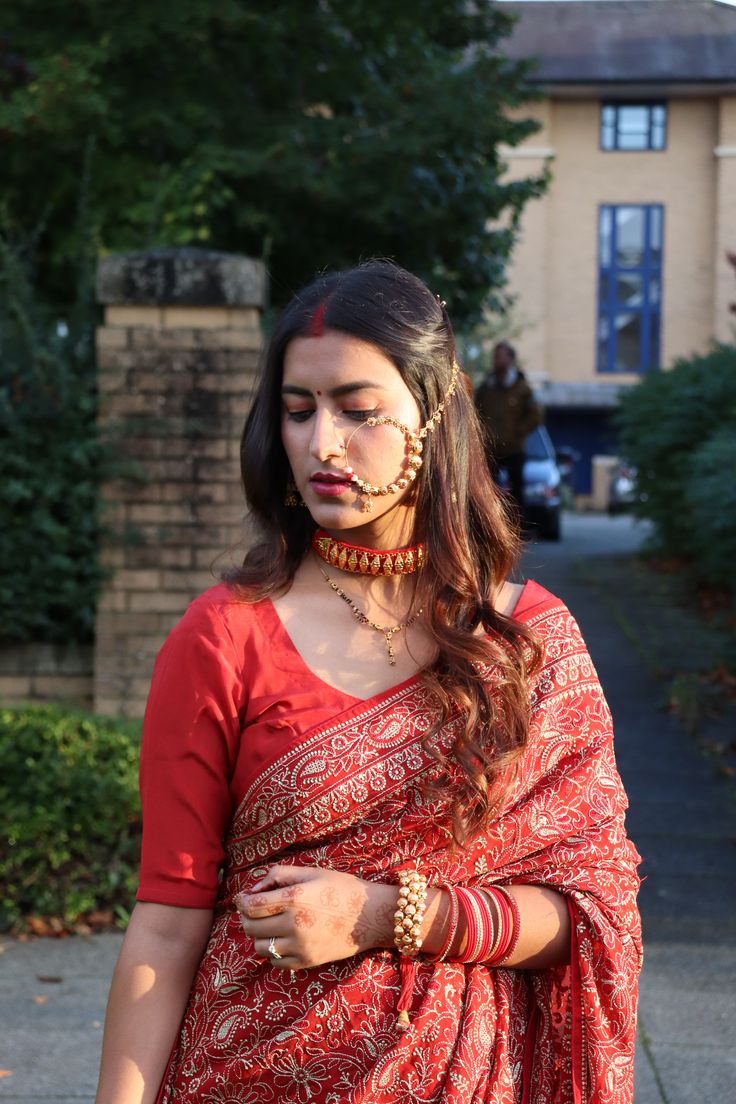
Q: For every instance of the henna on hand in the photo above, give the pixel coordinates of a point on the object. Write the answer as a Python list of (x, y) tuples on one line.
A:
[(330, 897), (305, 918), (257, 907), (326, 915), (374, 926)]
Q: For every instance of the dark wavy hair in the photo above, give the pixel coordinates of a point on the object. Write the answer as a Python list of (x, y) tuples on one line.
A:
[(471, 544)]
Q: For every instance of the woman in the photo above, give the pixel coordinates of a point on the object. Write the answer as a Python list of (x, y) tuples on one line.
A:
[(400, 763)]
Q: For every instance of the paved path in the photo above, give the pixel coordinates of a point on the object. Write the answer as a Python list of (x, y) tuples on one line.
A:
[(52, 994), (683, 820)]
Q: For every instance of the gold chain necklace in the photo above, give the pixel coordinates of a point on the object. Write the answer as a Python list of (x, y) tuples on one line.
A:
[(361, 617)]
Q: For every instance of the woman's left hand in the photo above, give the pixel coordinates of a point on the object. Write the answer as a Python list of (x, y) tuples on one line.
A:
[(309, 916)]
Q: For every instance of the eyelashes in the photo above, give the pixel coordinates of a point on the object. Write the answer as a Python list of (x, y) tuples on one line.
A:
[(354, 415)]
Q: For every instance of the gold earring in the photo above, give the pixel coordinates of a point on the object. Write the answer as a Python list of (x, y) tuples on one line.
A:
[(292, 497)]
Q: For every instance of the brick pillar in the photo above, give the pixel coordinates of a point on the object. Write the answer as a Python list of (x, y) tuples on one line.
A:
[(177, 357)]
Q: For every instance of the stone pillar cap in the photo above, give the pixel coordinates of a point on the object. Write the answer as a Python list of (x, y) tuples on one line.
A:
[(185, 277)]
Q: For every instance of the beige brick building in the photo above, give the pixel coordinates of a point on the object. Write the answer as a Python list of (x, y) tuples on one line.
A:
[(621, 267)]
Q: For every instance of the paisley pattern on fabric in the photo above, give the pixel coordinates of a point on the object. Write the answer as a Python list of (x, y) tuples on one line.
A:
[(349, 797)]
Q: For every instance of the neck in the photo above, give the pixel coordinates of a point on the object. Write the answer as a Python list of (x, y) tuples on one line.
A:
[(395, 530)]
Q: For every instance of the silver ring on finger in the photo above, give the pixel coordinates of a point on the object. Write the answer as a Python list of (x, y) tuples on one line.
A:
[(272, 952)]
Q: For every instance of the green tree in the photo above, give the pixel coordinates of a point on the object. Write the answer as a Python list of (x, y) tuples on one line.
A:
[(52, 462), (309, 134)]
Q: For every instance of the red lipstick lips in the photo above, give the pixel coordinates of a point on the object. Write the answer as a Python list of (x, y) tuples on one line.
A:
[(329, 483)]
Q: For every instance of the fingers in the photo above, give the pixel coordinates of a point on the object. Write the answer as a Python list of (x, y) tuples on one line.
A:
[(273, 894), (265, 927), (262, 905), (269, 937), (283, 875), (278, 952)]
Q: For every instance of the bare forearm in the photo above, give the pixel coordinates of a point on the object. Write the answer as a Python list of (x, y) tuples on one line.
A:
[(310, 916), (544, 931), (544, 938), (149, 990)]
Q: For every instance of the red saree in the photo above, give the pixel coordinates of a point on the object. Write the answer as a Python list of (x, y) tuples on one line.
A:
[(347, 795)]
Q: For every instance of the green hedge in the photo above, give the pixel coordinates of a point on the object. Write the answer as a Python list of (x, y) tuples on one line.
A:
[(69, 811), (52, 463), (679, 428), (710, 493)]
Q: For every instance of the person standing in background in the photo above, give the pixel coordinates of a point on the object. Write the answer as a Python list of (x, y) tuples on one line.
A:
[(508, 412)]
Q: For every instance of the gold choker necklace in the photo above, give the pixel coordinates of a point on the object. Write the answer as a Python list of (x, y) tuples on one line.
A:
[(368, 561)]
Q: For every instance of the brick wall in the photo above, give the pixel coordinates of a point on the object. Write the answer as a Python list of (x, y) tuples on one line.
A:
[(177, 356), (41, 673)]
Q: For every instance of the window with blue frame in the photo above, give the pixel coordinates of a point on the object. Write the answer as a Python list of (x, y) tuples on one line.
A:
[(629, 286), (633, 126)]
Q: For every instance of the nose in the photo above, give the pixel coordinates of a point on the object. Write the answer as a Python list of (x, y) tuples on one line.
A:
[(327, 442)]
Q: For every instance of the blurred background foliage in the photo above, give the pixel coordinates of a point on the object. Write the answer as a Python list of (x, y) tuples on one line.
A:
[(309, 135), (70, 816), (52, 461), (679, 429)]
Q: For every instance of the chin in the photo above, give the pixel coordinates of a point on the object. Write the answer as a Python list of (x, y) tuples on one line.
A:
[(337, 515)]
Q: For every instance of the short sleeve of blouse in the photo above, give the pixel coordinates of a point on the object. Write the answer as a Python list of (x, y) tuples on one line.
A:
[(191, 732)]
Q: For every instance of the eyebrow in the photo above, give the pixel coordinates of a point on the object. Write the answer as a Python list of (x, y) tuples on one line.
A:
[(336, 392)]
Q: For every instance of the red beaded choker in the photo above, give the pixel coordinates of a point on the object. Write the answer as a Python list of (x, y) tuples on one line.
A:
[(368, 561)]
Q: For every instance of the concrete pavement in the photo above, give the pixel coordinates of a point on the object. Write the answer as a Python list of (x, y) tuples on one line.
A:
[(682, 817)]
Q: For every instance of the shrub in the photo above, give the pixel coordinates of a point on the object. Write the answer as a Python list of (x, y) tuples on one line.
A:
[(52, 463), (69, 812), (710, 493), (667, 423)]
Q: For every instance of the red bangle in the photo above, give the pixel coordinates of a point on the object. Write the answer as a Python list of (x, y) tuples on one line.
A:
[(498, 921), (487, 930), (515, 922), (469, 910), (509, 925), (479, 925)]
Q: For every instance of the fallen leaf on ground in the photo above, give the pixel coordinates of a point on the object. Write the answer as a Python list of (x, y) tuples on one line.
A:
[(40, 1000), (102, 918), (50, 979), (47, 926), (6, 1073)]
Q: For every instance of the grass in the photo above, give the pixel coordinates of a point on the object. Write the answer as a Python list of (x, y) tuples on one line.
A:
[(686, 639)]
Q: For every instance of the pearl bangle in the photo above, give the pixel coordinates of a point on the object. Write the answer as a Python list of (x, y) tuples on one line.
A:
[(409, 913)]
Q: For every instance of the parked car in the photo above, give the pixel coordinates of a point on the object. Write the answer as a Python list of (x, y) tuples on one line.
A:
[(542, 484)]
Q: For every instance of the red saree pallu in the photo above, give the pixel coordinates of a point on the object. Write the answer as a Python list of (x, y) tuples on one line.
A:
[(350, 795)]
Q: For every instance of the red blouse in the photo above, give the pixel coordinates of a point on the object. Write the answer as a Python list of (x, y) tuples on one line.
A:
[(229, 692)]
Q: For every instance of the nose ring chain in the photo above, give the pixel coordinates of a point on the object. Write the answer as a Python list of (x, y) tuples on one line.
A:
[(412, 462), (415, 446)]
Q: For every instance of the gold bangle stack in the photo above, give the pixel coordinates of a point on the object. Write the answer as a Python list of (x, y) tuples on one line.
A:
[(410, 912)]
